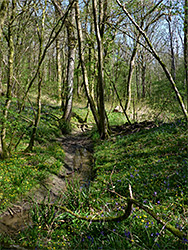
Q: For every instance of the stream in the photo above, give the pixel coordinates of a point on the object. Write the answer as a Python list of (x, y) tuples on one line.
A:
[(77, 165)]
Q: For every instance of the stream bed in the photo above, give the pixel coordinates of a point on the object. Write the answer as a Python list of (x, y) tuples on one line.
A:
[(78, 165)]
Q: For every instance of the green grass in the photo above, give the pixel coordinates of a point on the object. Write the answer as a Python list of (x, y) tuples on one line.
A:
[(19, 174), (155, 163)]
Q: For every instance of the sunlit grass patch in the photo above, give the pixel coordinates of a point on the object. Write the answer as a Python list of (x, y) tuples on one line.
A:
[(19, 174), (16, 178)]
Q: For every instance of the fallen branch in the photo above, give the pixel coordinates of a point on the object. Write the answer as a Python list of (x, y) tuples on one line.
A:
[(130, 201)]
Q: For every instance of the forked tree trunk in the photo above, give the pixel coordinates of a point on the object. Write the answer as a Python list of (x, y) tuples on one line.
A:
[(102, 116), (131, 71), (58, 57), (173, 67), (83, 67), (4, 150)]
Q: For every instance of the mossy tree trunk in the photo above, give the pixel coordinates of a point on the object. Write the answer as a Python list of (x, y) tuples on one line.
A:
[(3, 11), (58, 56), (4, 149)]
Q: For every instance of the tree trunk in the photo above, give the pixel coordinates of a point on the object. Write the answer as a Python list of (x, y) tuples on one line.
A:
[(103, 126), (138, 82), (186, 47), (4, 151), (173, 67), (143, 77), (83, 67), (131, 71), (3, 12), (40, 79), (70, 66), (58, 58)]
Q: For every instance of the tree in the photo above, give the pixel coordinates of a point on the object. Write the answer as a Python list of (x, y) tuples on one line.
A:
[(157, 57)]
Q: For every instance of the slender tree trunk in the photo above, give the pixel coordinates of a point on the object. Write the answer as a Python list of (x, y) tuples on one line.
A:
[(131, 71), (70, 66), (58, 58), (102, 115), (59, 69), (173, 67), (143, 78), (4, 151), (83, 67), (40, 79), (1, 76), (138, 82), (186, 47), (3, 12), (157, 57)]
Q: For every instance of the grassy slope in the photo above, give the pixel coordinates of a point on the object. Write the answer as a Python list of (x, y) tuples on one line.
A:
[(155, 163)]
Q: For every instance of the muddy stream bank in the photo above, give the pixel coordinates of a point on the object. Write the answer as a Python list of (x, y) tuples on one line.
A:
[(77, 165)]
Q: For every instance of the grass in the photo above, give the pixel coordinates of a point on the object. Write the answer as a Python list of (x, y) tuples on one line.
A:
[(155, 163), (19, 174)]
